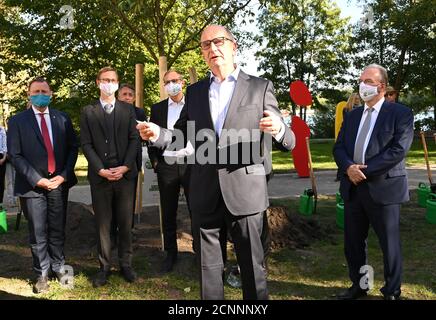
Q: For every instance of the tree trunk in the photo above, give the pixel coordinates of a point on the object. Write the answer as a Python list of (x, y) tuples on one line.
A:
[(162, 70), (193, 76), (139, 85)]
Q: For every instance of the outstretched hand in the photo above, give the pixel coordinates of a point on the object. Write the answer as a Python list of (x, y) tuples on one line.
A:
[(148, 130)]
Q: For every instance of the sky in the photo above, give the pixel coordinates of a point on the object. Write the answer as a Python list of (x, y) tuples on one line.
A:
[(349, 8)]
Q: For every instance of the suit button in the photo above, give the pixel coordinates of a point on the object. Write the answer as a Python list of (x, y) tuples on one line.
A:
[(105, 154), (106, 141)]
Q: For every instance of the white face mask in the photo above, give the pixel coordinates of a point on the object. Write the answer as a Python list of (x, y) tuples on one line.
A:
[(108, 88), (367, 92), (173, 89)]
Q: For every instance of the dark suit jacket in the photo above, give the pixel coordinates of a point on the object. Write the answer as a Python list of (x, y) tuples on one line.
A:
[(28, 155), (241, 182), (94, 142), (385, 155), (159, 116)]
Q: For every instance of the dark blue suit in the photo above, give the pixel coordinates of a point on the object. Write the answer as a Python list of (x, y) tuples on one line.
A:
[(45, 210), (377, 199)]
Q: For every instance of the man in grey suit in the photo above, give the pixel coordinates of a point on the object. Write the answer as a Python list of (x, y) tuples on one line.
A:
[(232, 112)]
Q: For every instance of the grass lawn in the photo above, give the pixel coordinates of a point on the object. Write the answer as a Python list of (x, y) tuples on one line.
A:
[(314, 272), (322, 157)]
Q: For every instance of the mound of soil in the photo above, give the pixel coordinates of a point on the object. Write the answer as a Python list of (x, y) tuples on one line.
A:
[(287, 230), (80, 229), (293, 231)]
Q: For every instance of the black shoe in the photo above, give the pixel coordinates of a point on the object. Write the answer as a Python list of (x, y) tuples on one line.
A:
[(101, 278), (352, 293), (41, 285), (168, 263), (128, 274), (391, 297)]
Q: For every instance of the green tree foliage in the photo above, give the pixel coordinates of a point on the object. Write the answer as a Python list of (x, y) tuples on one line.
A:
[(171, 27), (103, 33), (304, 40), (401, 35)]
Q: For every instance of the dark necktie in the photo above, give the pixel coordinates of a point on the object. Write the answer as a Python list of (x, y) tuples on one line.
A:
[(361, 138), (48, 146)]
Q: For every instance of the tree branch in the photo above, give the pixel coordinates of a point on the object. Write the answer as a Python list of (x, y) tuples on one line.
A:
[(136, 32)]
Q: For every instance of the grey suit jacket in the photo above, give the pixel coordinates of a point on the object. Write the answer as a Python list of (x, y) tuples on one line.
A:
[(239, 175)]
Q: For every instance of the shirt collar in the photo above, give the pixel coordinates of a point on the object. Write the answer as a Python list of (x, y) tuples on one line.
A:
[(105, 103), (36, 111), (231, 77), (377, 106), (171, 102)]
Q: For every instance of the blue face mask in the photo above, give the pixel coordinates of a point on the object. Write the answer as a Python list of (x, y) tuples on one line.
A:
[(40, 100)]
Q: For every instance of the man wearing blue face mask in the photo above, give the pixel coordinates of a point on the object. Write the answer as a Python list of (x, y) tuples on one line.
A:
[(370, 153), (170, 166), (43, 148)]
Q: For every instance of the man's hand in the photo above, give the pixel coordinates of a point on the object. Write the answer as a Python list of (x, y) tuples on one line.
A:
[(55, 182), (108, 174), (43, 183), (118, 172), (2, 161), (148, 130), (355, 174), (271, 123)]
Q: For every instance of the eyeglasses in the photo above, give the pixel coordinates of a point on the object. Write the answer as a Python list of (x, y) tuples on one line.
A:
[(106, 80), (172, 80), (216, 41)]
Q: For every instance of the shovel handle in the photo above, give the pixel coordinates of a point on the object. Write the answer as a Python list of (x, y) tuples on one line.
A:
[(312, 176), (424, 145)]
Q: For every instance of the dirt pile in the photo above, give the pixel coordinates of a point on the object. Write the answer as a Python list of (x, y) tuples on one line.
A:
[(287, 230), (80, 229), (290, 230)]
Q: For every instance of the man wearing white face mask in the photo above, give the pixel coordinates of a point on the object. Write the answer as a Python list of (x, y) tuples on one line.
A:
[(170, 166), (110, 143), (370, 153)]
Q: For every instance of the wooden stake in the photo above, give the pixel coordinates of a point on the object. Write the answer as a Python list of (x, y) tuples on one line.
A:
[(424, 145), (312, 175)]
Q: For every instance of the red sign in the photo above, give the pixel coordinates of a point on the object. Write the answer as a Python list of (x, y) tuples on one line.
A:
[(300, 93)]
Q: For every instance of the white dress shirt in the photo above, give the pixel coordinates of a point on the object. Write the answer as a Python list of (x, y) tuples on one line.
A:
[(105, 103), (174, 110), (374, 116), (220, 95), (3, 144), (47, 121)]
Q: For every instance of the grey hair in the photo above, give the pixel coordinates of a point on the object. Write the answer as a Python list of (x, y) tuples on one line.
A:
[(383, 72)]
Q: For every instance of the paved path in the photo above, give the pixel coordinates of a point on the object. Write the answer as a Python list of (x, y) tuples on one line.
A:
[(282, 185)]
